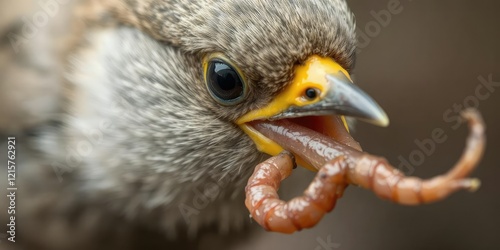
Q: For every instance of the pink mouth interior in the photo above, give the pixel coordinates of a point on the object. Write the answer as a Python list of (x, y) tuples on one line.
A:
[(314, 139)]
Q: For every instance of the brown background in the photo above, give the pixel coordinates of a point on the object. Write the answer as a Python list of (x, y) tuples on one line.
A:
[(427, 59)]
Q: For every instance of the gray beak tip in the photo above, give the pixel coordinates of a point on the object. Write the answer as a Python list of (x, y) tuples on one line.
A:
[(381, 121), (350, 100)]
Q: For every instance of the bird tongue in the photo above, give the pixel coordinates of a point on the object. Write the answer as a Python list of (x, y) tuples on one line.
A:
[(314, 140)]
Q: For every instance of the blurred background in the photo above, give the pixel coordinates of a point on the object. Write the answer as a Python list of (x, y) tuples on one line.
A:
[(422, 61), (425, 60)]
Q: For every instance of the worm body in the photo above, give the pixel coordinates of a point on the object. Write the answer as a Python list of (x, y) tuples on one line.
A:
[(340, 165), (301, 212)]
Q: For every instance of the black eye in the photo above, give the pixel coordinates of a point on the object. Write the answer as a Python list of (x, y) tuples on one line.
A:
[(224, 83)]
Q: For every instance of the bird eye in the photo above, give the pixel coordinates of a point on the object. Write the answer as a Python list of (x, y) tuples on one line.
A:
[(224, 82)]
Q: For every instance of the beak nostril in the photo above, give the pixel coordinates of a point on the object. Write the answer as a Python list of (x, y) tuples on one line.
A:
[(311, 93)]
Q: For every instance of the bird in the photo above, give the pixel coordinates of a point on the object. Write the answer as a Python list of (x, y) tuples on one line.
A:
[(152, 100)]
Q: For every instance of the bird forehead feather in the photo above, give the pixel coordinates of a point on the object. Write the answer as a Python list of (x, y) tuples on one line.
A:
[(264, 38), (267, 38)]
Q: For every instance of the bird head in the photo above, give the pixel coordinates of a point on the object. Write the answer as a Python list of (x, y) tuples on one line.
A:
[(266, 59), (224, 64)]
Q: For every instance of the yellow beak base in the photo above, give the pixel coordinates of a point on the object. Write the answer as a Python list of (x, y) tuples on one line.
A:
[(310, 75)]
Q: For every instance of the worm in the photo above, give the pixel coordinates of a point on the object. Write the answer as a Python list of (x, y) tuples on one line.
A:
[(340, 165)]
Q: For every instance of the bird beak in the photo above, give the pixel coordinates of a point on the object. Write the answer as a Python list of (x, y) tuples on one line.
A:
[(342, 98), (321, 87)]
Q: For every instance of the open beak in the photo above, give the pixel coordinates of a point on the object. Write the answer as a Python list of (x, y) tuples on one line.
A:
[(321, 88)]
